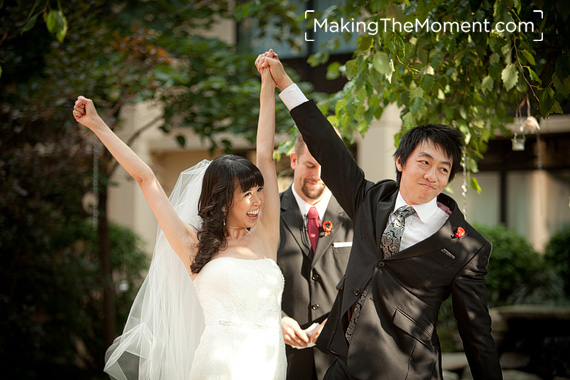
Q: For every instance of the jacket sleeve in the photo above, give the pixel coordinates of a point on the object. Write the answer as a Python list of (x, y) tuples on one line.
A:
[(339, 170), (469, 297)]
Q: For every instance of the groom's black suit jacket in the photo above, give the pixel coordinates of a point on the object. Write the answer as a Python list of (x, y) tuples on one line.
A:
[(310, 279), (395, 335)]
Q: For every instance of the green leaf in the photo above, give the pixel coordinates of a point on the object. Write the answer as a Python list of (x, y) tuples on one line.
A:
[(30, 24), (435, 60), (510, 76), (533, 75), (546, 101), (56, 23), (529, 57), (560, 86), (517, 6), (428, 69), (487, 84), (333, 71), (364, 43), (379, 4), (475, 185), (381, 62), (36, 3), (495, 71), (409, 121), (242, 11), (318, 58), (50, 19), (417, 106), (557, 108), (350, 69), (181, 140), (427, 82)]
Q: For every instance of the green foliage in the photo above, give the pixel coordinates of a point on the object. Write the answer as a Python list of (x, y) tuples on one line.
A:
[(472, 80), (516, 275), (557, 255), (118, 53), (215, 91), (51, 281), (469, 80)]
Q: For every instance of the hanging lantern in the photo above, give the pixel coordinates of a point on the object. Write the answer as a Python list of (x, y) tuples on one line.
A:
[(518, 142)]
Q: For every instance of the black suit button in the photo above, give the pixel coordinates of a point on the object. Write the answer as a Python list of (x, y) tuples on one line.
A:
[(315, 277), (381, 264), (315, 306), (356, 292)]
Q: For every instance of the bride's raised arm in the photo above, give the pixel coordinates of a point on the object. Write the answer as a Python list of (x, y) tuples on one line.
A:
[(264, 158), (180, 235)]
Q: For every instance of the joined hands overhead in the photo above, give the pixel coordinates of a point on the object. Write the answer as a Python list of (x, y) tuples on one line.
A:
[(270, 60)]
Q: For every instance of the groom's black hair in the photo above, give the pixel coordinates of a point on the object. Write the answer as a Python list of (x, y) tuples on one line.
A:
[(449, 139)]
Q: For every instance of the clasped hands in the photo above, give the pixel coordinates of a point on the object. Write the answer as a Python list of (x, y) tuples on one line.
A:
[(270, 60), (295, 336)]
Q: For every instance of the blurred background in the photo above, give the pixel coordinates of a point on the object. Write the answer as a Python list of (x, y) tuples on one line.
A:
[(176, 81)]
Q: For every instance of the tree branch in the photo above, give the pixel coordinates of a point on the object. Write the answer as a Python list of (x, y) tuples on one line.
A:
[(522, 68)]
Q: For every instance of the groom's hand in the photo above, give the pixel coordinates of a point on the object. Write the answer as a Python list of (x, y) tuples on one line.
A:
[(293, 335), (317, 332), (269, 60)]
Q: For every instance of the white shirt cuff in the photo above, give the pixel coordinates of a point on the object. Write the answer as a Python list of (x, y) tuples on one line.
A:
[(292, 96)]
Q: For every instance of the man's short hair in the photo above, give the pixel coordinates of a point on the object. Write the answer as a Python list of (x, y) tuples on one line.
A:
[(300, 145), (449, 139)]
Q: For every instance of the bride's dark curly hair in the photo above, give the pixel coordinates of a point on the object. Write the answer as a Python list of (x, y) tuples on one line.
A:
[(220, 180)]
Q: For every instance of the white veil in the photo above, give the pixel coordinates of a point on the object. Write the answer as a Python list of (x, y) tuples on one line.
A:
[(166, 321)]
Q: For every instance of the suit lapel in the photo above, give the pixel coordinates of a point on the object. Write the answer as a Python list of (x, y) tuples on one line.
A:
[(334, 214), (291, 215)]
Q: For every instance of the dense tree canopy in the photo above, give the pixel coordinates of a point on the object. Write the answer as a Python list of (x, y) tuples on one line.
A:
[(471, 64)]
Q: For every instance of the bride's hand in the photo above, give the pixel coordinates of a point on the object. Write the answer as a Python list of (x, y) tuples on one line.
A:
[(85, 113), (293, 335), (267, 79)]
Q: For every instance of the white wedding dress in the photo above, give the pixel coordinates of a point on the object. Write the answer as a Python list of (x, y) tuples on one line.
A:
[(226, 324), (241, 300)]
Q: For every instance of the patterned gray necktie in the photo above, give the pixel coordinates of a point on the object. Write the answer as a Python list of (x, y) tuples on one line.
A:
[(392, 235)]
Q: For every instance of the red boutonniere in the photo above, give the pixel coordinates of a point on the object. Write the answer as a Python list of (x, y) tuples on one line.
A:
[(327, 227), (459, 232)]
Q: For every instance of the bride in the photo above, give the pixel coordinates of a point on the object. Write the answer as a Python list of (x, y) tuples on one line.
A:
[(215, 249)]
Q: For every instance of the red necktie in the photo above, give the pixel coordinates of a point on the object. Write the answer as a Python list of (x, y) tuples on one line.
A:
[(313, 227)]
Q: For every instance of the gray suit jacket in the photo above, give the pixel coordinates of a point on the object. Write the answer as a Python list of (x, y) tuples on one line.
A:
[(395, 336), (310, 280)]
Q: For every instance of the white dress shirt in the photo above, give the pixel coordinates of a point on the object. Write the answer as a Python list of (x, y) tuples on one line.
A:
[(427, 220), (321, 206), (292, 96)]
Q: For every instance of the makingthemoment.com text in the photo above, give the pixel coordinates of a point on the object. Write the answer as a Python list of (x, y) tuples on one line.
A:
[(390, 24)]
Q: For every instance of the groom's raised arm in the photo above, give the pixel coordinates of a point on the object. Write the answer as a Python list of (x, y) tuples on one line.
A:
[(339, 170)]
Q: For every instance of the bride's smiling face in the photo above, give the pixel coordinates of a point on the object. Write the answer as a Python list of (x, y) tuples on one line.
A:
[(245, 208)]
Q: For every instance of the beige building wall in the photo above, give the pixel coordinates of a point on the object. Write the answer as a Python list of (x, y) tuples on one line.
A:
[(538, 202)]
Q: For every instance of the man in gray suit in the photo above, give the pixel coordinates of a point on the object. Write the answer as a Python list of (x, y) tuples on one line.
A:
[(311, 275)]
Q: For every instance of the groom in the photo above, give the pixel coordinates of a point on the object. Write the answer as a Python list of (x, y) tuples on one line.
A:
[(412, 249)]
